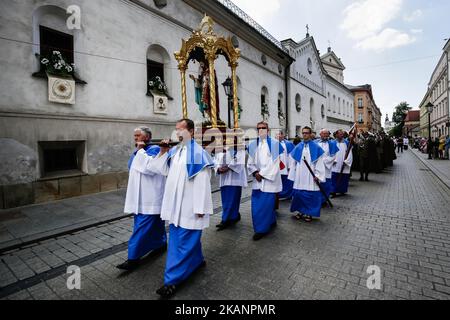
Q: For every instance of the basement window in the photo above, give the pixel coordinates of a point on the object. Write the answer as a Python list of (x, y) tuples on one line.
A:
[(61, 158)]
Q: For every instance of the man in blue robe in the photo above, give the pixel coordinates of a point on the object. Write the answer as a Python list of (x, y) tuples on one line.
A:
[(230, 167), (143, 199), (264, 165), (331, 149), (286, 193), (342, 165), (307, 198)]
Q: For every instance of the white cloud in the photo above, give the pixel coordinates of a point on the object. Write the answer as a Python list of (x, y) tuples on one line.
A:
[(413, 16), (366, 21), (259, 10), (387, 39), (368, 17)]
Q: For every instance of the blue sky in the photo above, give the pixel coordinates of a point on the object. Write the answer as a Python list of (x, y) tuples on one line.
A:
[(393, 45)]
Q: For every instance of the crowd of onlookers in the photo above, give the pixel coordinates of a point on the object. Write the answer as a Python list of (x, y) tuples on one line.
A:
[(439, 146)]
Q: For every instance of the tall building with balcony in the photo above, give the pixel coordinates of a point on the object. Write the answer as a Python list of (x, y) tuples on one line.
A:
[(367, 113)]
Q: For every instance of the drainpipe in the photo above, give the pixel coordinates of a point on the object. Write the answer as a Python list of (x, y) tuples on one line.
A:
[(287, 75)]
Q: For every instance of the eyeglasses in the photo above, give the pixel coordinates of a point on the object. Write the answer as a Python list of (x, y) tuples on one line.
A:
[(306, 133), (262, 128)]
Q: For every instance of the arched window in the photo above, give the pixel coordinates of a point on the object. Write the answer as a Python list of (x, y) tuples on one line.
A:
[(334, 104), (298, 103), (322, 110), (329, 102), (265, 103), (50, 33), (339, 105), (310, 66), (311, 113), (158, 63), (281, 115)]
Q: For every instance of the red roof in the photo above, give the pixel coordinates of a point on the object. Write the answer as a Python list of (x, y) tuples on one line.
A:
[(413, 116)]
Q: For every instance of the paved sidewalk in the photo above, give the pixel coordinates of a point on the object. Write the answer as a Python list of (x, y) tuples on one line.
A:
[(26, 224), (441, 168)]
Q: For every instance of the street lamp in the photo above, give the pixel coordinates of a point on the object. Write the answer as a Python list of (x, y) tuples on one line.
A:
[(228, 86), (430, 108)]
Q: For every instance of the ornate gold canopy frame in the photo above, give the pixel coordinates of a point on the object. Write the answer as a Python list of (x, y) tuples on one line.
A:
[(205, 39)]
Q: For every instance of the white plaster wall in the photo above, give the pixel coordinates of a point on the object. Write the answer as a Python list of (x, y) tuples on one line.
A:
[(111, 50), (346, 114)]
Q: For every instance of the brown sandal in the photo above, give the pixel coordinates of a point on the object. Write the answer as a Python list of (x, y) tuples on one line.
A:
[(298, 217), (308, 219)]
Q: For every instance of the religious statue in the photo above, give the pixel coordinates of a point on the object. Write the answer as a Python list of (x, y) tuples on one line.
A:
[(202, 90)]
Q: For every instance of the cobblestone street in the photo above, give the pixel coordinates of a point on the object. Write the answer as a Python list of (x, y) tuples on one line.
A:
[(398, 221)]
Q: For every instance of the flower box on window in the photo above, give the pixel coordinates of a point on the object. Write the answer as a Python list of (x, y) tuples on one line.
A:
[(61, 84)]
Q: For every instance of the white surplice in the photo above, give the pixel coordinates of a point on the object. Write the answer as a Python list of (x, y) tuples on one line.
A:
[(145, 184), (328, 160), (340, 156), (299, 173), (237, 175), (184, 199), (268, 169)]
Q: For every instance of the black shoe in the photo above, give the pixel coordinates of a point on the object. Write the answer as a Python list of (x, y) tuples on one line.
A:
[(258, 236), (361, 179), (222, 226), (166, 292), (160, 250), (128, 265), (273, 225)]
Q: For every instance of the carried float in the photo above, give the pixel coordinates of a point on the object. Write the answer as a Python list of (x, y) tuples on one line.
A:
[(205, 47)]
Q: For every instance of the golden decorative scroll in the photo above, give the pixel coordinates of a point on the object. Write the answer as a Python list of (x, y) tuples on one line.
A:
[(204, 38)]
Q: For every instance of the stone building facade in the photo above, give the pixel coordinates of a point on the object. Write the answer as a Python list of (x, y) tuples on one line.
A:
[(367, 113), (52, 150)]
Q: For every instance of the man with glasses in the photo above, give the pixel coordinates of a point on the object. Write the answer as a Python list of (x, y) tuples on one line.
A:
[(264, 165), (307, 198)]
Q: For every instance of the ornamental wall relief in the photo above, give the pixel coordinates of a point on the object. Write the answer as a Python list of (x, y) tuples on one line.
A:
[(61, 90)]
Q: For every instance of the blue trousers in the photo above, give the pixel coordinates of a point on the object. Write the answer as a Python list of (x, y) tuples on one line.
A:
[(263, 211), (340, 186), (184, 254), (288, 187), (307, 202), (149, 233), (231, 200)]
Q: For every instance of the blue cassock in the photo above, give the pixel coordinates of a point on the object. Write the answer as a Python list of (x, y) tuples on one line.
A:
[(288, 185), (340, 185), (184, 254), (328, 185), (149, 232), (231, 200), (263, 203), (307, 202)]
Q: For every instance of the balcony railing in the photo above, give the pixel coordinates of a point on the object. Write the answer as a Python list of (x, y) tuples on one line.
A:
[(252, 23)]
